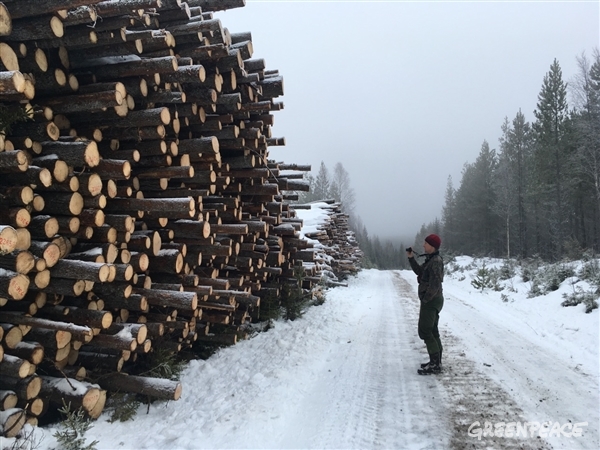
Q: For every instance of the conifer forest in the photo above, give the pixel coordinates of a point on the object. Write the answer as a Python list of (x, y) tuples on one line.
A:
[(536, 195)]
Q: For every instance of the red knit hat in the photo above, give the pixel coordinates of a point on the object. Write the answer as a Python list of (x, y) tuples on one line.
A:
[(434, 240)]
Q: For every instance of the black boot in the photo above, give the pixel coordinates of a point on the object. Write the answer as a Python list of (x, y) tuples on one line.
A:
[(432, 367), (424, 365)]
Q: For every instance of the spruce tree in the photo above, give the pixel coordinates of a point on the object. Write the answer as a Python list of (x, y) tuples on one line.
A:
[(512, 182), (322, 184), (475, 199)]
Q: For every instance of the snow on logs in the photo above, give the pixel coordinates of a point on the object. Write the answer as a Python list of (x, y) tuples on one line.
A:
[(338, 252), (139, 209)]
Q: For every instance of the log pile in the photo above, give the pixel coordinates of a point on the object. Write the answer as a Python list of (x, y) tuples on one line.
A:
[(143, 207), (337, 254)]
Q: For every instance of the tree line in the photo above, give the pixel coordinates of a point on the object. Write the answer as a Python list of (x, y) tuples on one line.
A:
[(539, 193)]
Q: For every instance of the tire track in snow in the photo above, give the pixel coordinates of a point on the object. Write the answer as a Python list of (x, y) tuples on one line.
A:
[(368, 394), (540, 381)]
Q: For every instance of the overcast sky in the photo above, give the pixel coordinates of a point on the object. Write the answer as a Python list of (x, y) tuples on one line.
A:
[(402, 93)]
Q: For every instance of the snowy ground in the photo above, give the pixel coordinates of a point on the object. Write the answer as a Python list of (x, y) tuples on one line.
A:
[(344, 376)]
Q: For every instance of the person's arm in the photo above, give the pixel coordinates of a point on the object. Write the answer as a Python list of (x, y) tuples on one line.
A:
[(417, 269)]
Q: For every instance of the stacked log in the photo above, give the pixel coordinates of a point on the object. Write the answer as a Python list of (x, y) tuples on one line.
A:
[(143, 207), (337, 254)]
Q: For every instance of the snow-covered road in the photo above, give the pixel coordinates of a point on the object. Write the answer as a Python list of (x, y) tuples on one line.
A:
[(367, 394), (344, 376)]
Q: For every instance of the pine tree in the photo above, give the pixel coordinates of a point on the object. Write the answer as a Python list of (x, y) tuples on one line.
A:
[(552, 157)]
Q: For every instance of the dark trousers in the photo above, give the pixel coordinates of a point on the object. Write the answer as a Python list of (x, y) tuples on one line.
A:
[(429, 316)]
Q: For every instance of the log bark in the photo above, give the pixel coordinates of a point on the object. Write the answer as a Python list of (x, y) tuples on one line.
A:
[(175, 172), (13, 366), (39, 131), (36, 322), (36, 176), (181, 300), (51, 339), (144, 67), (111, 8), (13, 161), (25, 388), (81, 270), (20, 261), (83, 153), (101, 362), (158, 388), (186, 74), (118, 290), (218, 5), (163, 206), (48, 251), (58, 167), (17, 217), (27, 8), (134, 302), (11, 82), (43, 226), (191, 229), (13, 285), (77, 393), (167, 261), (117, 342), (16, 196), (63, 204), (63, 286), (206, 145), (95, 101), (79, 316), (33, 28)]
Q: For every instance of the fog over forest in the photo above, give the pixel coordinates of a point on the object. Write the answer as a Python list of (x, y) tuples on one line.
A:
[(403, 94)]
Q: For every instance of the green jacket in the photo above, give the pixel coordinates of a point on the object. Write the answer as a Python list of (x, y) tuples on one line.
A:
[(429, 276)]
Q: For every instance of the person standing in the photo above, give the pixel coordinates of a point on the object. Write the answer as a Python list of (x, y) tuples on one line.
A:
[(430, 276)]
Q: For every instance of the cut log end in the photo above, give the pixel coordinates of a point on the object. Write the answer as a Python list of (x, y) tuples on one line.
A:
[(5, 21), (8, 239), (12, 421)]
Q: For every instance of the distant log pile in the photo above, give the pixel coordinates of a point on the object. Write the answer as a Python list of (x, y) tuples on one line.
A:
[(338, 255), (138, 204)]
